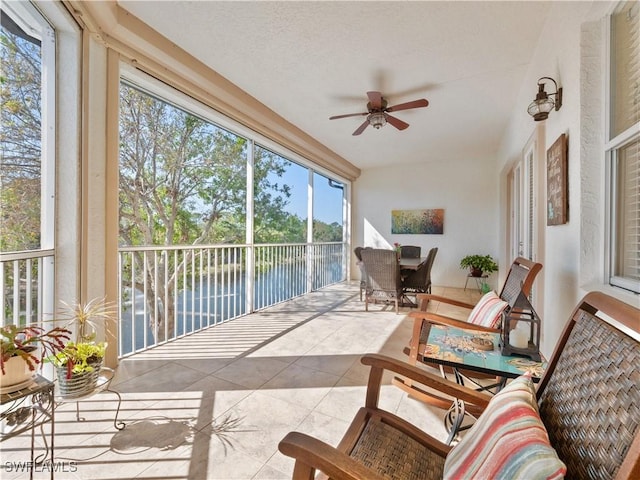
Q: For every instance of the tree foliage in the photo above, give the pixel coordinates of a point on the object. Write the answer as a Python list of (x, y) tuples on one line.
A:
[(20, 142)]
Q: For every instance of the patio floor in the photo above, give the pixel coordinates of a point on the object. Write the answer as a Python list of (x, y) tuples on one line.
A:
[(215, 405)]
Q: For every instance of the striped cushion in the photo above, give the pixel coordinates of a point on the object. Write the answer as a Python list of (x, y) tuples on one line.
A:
[(488, 310), (508, 441)]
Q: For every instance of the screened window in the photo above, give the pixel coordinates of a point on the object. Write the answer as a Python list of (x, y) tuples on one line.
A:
[(27, 164), (182, 179), (26, 48), (280, 199), (624, 146), (328, 196)]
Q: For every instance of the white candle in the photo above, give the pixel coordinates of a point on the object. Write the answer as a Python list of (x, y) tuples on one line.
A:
[(519, 338)]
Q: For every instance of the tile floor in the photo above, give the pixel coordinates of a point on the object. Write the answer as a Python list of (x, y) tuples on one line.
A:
[(215, 405)]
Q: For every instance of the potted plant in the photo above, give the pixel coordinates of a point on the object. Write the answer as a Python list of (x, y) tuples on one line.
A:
[(78, 363), (479, 264), (398, 248), (23, 348)]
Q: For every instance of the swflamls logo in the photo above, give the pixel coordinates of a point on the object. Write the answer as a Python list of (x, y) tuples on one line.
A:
[(47, 467)]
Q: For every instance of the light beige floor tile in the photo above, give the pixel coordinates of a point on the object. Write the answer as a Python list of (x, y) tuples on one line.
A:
[(320, 358), (269, 473), (171, 377), (192, 409), (205, 457), (323, 427), (252, 372), (299, 385)]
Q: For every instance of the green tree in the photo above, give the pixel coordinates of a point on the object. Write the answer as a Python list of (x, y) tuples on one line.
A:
[(324, 232), (183, 182), (20, 140)]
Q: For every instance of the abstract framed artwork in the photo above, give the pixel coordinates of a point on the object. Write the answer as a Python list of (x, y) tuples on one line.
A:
[(557, 182), (428, 221)]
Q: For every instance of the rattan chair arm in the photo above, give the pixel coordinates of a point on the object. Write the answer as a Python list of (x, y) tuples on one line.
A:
[(312, 454), (423, 299), (452, 322), (378, 363)]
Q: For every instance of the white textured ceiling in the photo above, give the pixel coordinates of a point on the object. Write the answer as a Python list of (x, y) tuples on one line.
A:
[(308, 61)]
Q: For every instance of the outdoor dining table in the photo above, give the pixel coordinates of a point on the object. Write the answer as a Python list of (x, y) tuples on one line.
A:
[(411, 263)]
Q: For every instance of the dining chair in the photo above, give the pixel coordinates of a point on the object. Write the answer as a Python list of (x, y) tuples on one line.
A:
[(363, 280), (383, 281), (410, 251), (419, 281)]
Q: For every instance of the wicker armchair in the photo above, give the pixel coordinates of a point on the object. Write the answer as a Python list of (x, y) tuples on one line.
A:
[(363, 275), (521, 276), (383, 276), (588, 399), (419, 281)]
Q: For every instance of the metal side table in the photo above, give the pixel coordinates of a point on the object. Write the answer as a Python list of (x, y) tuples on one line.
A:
[(25, 409), (103, 385)]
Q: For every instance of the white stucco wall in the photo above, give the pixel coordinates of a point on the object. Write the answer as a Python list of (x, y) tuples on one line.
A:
[(474, 193), (465, 189), (572, 52)]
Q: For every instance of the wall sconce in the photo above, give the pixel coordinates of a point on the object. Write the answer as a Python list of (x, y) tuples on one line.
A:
[(543, 104)]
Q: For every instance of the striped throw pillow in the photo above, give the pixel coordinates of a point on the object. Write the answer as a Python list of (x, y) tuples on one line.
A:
[(488, 310), (508, 441)]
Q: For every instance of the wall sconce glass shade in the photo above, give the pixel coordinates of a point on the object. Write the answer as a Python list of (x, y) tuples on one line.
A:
[(521, 330), (543, 104), (377, 120)]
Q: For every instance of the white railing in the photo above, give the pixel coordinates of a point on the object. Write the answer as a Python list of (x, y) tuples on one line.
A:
[(169, 292), (26, 286)]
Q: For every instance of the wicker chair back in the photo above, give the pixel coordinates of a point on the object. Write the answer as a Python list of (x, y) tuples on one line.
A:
[(383, 280)]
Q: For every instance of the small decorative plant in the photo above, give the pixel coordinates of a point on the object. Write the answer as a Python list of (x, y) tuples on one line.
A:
[(30, 342), (479, 264), (84, 354), (80, 357)]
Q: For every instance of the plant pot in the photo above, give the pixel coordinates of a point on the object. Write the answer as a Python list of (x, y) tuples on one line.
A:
[(16, 376), (476, 272), (79, 384)]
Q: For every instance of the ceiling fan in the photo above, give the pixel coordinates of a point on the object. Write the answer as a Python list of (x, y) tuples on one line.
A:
[(377, 114)]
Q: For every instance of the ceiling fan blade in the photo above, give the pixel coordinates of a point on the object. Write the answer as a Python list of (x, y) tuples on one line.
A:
[(361, 128), (348, 115), (375, 98), (405, 106), (396, 122)]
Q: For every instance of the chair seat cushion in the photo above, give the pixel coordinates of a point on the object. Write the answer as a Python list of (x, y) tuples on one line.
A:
[(508, 441), (488, 310)]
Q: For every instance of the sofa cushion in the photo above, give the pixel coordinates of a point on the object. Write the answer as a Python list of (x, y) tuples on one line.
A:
[(508, 441), (488, 310)]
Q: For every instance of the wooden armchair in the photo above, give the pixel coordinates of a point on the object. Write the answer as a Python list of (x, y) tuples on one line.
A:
[(521, 276), (588, 401)]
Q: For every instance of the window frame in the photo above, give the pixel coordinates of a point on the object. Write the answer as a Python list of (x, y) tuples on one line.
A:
[(612, 146)]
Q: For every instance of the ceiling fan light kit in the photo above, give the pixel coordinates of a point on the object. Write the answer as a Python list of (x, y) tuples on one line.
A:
[(377, 115), (377, 120), (543, 104)]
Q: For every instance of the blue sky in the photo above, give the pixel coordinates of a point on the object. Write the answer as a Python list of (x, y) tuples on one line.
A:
[(327, 200)]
